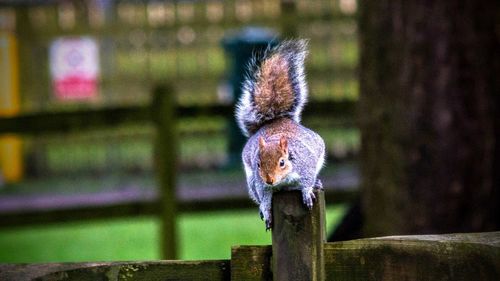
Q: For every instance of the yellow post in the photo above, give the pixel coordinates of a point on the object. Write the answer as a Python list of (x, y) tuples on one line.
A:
[(11, 158)]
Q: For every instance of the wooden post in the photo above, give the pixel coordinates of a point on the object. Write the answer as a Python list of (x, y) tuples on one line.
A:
[(166, 165), (298, 237)]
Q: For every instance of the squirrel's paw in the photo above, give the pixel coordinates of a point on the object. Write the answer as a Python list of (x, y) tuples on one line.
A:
[(269, 224), (268, 220), (318, 185), (266, 216), (308, 198)]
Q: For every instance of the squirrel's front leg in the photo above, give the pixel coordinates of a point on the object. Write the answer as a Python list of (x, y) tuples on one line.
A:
[(308, 197), (252, 190), (295, 182), (318, 185), (307, 186), (265, 207), (308, 193)]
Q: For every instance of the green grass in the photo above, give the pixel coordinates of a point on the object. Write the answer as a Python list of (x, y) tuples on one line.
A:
[(202, 236)]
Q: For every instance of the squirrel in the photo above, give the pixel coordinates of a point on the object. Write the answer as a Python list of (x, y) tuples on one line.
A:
[(280, 153)]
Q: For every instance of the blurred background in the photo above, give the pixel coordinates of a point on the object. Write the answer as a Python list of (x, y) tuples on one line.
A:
[(118, 141), (78, 79)]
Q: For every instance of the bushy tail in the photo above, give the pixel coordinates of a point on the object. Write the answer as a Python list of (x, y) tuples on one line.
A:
[(275, 88)]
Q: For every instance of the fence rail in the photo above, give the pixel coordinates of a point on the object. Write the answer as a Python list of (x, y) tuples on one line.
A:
[(70, 121), (22, 211)]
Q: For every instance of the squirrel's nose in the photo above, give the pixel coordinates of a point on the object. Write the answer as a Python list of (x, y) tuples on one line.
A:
[(269, 180)]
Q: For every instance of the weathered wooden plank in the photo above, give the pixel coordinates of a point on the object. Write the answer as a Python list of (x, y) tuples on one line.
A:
[(251, 263), (166, 165), (157, 270), (22, 209), (457, 257), (68, 121), (298, 237), (465, 256)]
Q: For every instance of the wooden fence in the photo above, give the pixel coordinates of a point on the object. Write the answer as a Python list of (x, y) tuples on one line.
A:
[(299, 252)]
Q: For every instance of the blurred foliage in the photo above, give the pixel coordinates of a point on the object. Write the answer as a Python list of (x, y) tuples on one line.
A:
[(142, 42)]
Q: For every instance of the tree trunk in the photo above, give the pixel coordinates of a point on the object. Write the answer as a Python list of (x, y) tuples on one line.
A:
[(429, 116)]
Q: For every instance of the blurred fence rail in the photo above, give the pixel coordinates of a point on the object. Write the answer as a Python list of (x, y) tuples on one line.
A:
[(77, 120)]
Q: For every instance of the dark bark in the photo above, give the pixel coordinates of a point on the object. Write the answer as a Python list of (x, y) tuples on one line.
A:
[(429, 116)]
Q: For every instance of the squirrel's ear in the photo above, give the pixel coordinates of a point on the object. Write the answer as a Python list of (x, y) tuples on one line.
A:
[(262, 143), (284, 144)]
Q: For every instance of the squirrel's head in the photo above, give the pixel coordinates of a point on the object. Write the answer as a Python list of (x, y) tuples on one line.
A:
[(274, 163)]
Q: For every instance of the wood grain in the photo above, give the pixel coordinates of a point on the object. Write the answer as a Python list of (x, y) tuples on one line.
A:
[(298, 237)]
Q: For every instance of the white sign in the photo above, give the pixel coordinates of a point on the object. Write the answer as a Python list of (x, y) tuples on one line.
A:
[(74, 67)]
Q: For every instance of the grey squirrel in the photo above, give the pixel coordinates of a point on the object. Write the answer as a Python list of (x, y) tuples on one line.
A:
[(280, 153)]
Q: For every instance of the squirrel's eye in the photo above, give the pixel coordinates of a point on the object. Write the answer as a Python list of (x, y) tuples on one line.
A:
[(258, 164), (282, 163)]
